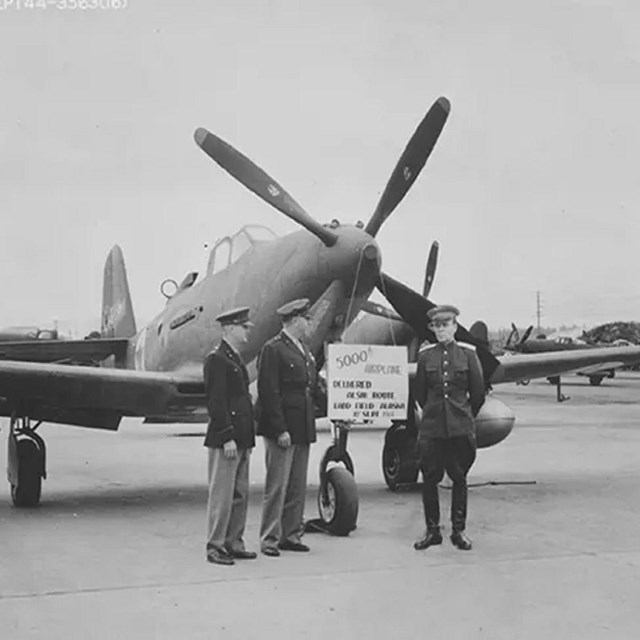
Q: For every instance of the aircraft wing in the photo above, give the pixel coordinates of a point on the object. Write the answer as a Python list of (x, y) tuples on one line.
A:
[(96, 396), (77, 351), (542, 365)]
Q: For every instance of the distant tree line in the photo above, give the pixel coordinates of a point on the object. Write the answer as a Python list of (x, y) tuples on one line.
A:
[(612, 331)]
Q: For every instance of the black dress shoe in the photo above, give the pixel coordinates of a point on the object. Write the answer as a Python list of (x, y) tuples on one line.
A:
[(242, 554), (288, 545), (430, 539), (219, 556), (270, 551), (458, 539)]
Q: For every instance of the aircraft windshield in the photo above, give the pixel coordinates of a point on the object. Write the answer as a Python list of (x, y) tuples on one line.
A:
[(228, 250), (258, 233)]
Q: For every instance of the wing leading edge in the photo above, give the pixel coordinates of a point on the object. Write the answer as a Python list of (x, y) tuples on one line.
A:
[(76, 351), (542, 365), (95, 396)]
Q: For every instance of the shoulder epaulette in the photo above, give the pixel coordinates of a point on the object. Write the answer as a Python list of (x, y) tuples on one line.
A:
[(466, 345), (426, 347)]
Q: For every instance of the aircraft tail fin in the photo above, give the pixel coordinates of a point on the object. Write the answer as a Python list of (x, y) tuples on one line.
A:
[(118, 320)]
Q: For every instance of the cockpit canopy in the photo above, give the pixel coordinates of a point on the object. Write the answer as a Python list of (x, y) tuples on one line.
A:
[(229, 249)]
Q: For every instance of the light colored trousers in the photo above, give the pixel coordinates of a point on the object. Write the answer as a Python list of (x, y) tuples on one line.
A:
[(228, 498), (285, 489)]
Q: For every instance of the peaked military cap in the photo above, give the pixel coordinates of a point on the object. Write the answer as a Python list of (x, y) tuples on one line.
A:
[(443, 312), (235, 316), (294, 308)]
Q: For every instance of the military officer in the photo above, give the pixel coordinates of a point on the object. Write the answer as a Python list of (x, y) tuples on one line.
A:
[(449, 386), (287, 388), (229, 439)]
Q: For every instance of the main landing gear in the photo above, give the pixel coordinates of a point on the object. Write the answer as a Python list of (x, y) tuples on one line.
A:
[(338, 492), (555, 380), (400, 460), (26, 463)]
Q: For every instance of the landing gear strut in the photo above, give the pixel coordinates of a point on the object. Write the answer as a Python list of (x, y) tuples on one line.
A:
[(338, 492), (26, 464), (555, 380)]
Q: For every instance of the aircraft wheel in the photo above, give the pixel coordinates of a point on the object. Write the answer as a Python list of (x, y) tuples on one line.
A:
[(595, 381), (338, 502), (26, 493), (332, 454), (399, 463)]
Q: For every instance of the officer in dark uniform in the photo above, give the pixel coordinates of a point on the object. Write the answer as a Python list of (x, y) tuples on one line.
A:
[(287, 389), (229, 439), (449, 386)]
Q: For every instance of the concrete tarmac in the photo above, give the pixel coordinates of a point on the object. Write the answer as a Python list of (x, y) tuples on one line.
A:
[(116, 549)]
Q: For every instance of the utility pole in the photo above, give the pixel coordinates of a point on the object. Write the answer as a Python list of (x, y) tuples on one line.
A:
[(538, 308)]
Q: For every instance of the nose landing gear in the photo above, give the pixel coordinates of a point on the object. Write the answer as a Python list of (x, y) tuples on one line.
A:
[(338, 492)]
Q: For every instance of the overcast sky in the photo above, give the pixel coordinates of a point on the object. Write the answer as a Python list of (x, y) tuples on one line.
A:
[(533, 184)]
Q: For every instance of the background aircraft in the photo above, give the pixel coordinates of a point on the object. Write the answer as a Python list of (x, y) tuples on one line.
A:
[(13, 334), (526, 344)]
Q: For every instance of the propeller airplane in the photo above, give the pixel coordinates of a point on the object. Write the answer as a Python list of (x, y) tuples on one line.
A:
[(156, 372)]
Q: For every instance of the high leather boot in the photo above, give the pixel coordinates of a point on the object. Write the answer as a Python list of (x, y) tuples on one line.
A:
[(431, 503), (459, 516), (432, 537), (460, 540)]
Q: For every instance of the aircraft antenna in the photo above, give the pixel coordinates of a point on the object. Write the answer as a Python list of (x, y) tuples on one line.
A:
[(538, 309)]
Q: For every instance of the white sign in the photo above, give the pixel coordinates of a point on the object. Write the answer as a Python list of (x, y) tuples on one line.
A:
[(367, 382)]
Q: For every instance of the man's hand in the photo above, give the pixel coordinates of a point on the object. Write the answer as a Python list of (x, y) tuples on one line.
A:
[(230, 450), (284, 440)]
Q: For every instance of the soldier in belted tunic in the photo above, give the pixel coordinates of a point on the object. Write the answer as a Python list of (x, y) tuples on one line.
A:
[(449, 386), (229, 439), (287, 391)]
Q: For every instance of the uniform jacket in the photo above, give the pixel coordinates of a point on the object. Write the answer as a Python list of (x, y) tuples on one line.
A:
[(287, 391), (226, 384), (449, 387)]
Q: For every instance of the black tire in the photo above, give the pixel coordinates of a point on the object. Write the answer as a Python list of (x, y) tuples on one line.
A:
[(331, 455), (27, 492), (595, 381), (397, 466), (400, 464), (340, 512)]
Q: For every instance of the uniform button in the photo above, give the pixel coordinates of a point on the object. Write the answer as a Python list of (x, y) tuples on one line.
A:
[(446, 362), (446, 373), (446, 395)]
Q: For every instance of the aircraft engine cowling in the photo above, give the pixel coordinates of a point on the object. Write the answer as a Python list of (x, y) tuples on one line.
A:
[(494, 422)]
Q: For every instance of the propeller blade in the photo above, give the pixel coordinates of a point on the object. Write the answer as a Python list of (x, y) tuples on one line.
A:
[(413, 309), (526, 335), (432, 263), (512, 335), (256, 180), (410, 164), (375, 309)]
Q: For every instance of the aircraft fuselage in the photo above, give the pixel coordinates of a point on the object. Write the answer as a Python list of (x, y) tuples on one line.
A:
[(264, 278)]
